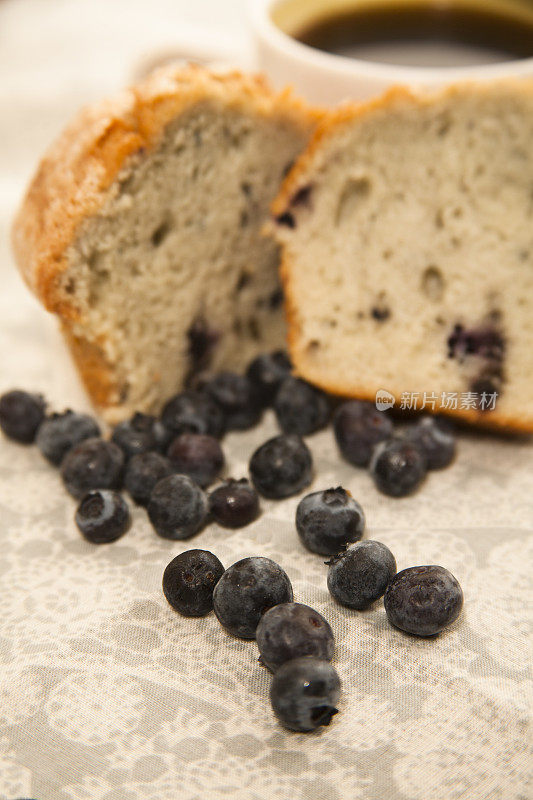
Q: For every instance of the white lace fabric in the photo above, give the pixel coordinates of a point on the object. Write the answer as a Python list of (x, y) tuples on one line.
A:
[(107, 694)]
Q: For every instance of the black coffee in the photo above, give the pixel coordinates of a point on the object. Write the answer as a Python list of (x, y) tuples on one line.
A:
[(426, 34)]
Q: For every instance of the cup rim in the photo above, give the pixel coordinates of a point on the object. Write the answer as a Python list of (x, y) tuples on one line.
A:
[(344, 65)]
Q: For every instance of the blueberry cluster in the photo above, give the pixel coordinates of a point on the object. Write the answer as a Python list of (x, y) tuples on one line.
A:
[(253, 599), (145, 450), (398, 462), (166, 464), (420, 600)]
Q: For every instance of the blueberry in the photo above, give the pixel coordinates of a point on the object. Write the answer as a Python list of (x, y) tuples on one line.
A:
[(234, 504), (177, 507), (281, 467), (20, 415), (266, 374), (236, 397), (328, 521), (360, 575), (484, 341), (398, 467), (487, 382), (162, 436), (286, 219), (92, 464), (291, 630), (197, 455), (300, 408), (304, 693), (59, 433), (189, 581), (135, 435), (143, 472), (436, 439), (193, 412), (246, 590), (423, 600), (202, 341), (358, 427), (103, 516)]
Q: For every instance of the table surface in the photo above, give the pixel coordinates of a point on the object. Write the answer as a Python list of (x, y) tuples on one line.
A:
[(105, 693)]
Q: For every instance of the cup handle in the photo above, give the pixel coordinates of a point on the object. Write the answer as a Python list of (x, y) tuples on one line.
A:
[(200, 47)]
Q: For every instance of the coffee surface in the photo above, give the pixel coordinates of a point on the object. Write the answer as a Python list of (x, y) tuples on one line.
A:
[(425, 34)]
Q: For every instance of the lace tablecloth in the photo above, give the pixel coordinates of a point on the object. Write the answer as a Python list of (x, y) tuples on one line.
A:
[(106, 693)]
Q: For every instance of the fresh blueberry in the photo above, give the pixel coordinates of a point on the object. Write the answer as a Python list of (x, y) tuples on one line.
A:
[(189, 581), (143, 471), (281, 467), (300, 408), (436, 439), (136, 435), (328, 521), (177, 507), (423, 600), (193, 412), (162, 436), (266, 374), (59, 433), (20, 415), (103, 516), (92, 464), (236, 397), (304, 693), (291, 630), (358, 427), (234, 504), (197, 455), (246, 590), (398, 467), (359, 576)]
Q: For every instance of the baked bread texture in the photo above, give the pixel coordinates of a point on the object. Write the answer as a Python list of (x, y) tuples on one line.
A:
[(142, 231), (407, 235)]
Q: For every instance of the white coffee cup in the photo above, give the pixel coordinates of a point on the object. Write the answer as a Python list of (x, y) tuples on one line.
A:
[(323, 78), (328, 79)]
